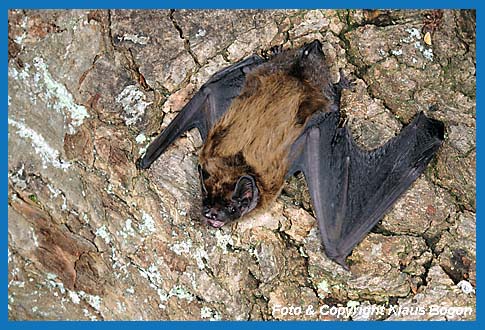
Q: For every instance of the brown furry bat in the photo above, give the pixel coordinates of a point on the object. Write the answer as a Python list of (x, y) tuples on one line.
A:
[(239, 146), (265, 120)]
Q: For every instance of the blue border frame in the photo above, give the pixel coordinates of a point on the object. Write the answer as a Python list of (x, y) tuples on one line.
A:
[(5, 5), (241, 4)]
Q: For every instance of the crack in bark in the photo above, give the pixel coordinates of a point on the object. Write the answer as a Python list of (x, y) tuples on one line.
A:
[(186, 40)]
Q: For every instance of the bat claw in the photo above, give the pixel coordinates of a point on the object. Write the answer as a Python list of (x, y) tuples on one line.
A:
[(272, 52), (341, 262), (275, 50), (140, 164)]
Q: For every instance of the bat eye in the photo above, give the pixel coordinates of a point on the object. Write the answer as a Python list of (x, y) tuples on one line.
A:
[(244, 203)]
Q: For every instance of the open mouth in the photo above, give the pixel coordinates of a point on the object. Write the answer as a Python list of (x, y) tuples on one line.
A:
[(215, 223)]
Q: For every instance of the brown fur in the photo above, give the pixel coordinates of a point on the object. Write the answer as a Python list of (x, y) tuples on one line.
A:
[(255, 135)]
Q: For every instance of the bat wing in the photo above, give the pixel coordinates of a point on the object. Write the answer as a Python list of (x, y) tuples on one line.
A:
[(351, 189), (204, 109)]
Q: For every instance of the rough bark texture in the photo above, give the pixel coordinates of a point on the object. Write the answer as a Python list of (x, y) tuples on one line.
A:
[(90, 237)]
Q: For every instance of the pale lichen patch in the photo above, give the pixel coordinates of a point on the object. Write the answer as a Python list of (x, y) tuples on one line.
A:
[(181, 293), (223, 240), (134, 38), (322, 286), (148, 225), (56, 193), (93, 300), (48, 155), (88, 314), (34, 238), (413, 35), (74, 297), (200, 33), (62, 100), (127, 230), (181, 247), (152, 274), (104, 234), (199, 255), (466, 287), (141, 138), (133, 102), (208, 313)]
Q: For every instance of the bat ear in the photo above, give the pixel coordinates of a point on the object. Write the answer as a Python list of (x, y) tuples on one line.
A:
[(245, 189)]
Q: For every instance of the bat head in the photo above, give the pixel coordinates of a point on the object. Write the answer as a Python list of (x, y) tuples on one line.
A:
[(226, 200)]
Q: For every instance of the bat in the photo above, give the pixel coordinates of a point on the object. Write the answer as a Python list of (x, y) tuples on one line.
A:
[(264, 119)]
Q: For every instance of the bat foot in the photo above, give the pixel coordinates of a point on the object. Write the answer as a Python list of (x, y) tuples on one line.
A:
[(275, 50), (345, 82), (272, 52)]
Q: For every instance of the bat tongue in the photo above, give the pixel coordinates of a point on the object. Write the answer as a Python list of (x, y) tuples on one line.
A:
[(215, 223)]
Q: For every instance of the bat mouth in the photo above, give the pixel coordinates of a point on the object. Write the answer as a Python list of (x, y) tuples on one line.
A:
[(214, 223)]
